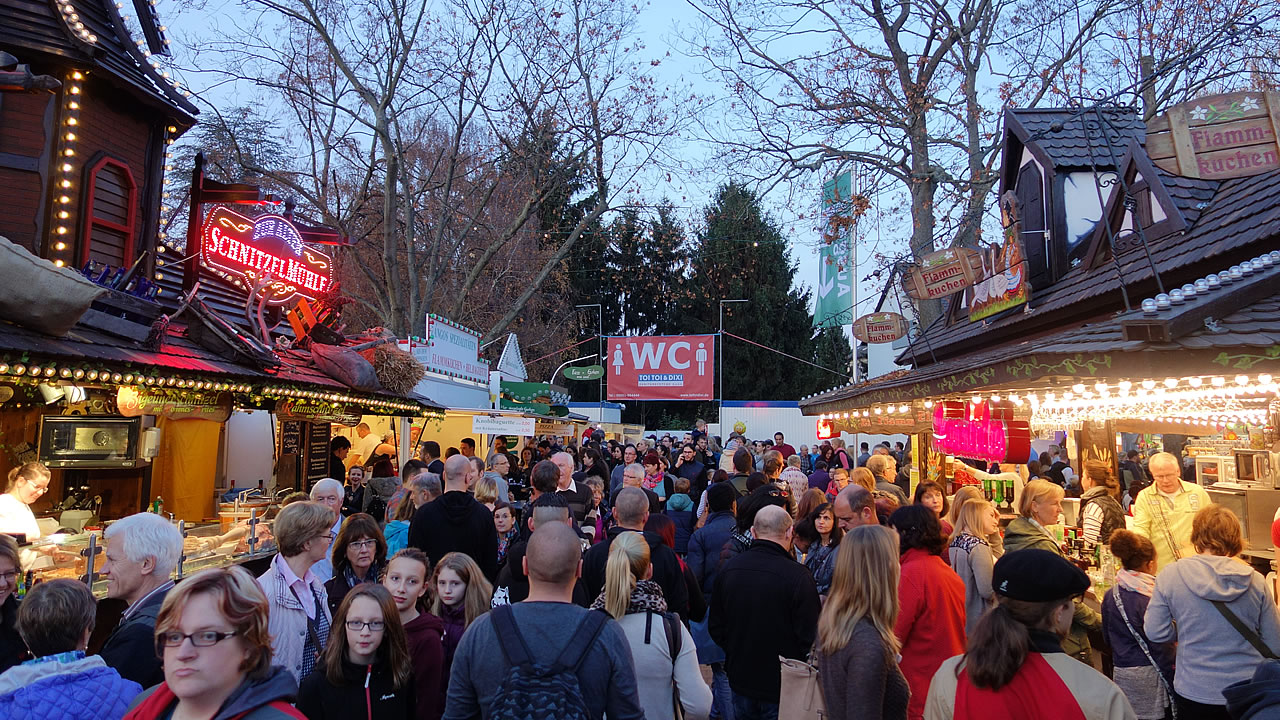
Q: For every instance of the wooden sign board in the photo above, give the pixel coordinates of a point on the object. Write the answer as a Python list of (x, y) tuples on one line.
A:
[(1005, 284), (882, 327), (1218, 136), (943, 273), (173, 404)]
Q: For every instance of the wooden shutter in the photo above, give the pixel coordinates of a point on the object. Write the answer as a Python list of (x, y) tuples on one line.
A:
[(110, 213), (1029, 189)]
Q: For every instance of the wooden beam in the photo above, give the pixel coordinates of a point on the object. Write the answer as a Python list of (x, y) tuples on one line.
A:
[(1180, 320)]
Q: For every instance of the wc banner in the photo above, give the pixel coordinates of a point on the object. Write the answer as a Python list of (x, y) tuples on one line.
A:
[(660, 367)]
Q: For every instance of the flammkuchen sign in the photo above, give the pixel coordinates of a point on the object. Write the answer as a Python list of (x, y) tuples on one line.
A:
[(1218, 136)]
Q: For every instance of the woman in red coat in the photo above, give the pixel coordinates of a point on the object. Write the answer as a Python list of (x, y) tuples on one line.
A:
[(930, 623)]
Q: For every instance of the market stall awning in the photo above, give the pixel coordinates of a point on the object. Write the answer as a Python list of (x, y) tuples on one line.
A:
[(1244, 339), (86, 352)]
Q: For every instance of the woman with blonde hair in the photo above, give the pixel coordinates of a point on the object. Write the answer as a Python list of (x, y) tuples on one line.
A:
[(964, 494), (461, 594), (1040, 506), (857, 648), (26, 484), (972, 559), (1100, 511), (661, 646)]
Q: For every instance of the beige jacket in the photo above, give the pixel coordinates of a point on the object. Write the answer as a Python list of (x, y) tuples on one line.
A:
[(1099, 698)]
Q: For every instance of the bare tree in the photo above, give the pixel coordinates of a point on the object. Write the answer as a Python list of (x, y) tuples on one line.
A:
[(417, 128), (904, 92)]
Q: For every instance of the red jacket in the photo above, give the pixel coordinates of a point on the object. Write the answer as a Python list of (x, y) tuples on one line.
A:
[(931, 622)]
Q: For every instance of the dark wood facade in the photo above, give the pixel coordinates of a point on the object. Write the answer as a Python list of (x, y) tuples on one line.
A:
[(82, 167)]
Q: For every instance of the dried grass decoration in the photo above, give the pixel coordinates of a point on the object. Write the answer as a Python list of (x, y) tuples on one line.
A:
[(396, 369)]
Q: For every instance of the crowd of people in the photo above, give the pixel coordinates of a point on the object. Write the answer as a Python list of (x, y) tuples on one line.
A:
[(628, 568)]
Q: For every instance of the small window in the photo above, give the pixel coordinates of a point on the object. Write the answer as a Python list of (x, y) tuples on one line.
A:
[(110, 213)]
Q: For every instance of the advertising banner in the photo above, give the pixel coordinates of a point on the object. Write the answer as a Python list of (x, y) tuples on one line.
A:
[(661, 367), (834, 297), (450, 349)]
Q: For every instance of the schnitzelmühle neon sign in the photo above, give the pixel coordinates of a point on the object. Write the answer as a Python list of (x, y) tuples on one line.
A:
[(251, 249)]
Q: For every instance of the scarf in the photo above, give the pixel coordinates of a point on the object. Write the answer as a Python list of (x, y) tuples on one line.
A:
[(651, 481), (349, 574), (504, 541), (646, 596), (1136, 581)]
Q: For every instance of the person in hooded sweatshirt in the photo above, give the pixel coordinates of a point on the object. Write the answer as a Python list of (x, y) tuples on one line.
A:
[(406, 580), (366, 672), (1211, 653), (461, 595), (60, 683), (455, 522), (212, 633)]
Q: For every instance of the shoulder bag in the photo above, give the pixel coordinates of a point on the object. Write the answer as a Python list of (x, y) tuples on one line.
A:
[(801, 697)]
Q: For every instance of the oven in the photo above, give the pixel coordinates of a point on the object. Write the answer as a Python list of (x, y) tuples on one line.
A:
[(77, 441)]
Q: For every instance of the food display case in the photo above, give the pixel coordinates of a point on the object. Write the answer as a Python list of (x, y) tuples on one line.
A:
[(203, 546)]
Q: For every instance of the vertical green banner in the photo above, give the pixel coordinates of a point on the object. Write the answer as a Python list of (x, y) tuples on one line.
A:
[(834, 305)]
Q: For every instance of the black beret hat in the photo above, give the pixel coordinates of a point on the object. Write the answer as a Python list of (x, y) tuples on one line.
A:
[(1037, 576)]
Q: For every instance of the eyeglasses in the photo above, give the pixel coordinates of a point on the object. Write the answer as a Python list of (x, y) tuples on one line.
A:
[(204, 638), (38, 489), (362, 544), (9, 576), (357, 625)]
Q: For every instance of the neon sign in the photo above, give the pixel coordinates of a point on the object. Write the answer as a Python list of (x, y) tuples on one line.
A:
[(980, 432), (825, 431), (250, 250)]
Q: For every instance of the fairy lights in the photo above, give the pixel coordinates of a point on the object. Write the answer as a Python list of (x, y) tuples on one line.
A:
[(67, 151)]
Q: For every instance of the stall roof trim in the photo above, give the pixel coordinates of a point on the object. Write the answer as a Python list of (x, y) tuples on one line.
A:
[(1244, 340)]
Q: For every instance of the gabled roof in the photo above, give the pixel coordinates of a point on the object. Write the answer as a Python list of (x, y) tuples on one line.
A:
[(1064, 136), (1242, 212), (102, 41)]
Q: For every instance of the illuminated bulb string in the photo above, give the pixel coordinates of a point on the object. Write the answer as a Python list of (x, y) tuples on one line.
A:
[(66, 167)]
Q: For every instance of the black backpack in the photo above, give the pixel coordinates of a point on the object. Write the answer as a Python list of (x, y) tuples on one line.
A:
[(534, 691)]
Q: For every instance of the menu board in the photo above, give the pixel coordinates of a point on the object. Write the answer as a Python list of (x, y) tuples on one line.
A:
[(317, 452), (290, 437)]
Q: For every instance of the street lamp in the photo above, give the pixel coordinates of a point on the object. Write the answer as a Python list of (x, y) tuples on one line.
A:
[(720, 371), (599, 350), (566, 363)]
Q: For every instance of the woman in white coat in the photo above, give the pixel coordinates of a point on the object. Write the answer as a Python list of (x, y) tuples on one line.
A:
[(663, 677)]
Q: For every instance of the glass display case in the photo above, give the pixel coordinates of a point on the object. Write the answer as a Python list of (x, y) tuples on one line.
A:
[(203, 546)]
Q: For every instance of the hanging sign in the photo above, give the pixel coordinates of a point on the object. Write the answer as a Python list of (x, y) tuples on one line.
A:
[(173, 404), (1218, 136), (943, 273), (980, 432), (661, 367), (501, 425), (882, 327), (250, 249), (1005, 285), (584, 372), (316, 411)]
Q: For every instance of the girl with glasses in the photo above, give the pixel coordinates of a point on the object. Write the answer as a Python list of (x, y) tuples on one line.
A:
[(212, 636), (366, 672), (359, 554), (462, 594)]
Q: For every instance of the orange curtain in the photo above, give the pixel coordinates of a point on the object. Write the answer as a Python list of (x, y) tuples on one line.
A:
[(184, 471)]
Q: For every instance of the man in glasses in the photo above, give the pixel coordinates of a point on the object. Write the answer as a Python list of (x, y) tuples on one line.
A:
[(142, 552)]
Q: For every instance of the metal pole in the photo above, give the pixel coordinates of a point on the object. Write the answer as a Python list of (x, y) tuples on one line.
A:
[(720, 369), (599, 351)]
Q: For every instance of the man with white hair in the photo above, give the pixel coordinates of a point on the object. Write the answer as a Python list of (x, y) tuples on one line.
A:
[(142, 552), (578, 494), (745, 619), (1164, 510), (328, 492)]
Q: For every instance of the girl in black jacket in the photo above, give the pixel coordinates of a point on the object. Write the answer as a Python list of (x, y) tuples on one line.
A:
[(366, 671)]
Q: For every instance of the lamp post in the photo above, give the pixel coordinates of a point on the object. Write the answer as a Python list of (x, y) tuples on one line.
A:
[(599, 350), (720, 370), (567, 363)]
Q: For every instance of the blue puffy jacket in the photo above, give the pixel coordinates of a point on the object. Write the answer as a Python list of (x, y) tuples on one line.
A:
[(705, 546), (82, 689)]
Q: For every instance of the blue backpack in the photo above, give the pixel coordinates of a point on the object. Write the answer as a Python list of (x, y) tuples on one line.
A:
[(532, 690)]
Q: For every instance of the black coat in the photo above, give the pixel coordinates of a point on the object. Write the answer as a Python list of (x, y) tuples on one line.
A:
[(319, 699), (705, 547), (764, 604), (455, 522), (512, 577), (666, 570), (131, 647), (12, 648)]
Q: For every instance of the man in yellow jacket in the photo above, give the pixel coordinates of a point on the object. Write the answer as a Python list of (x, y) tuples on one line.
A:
[(1163, 512)]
